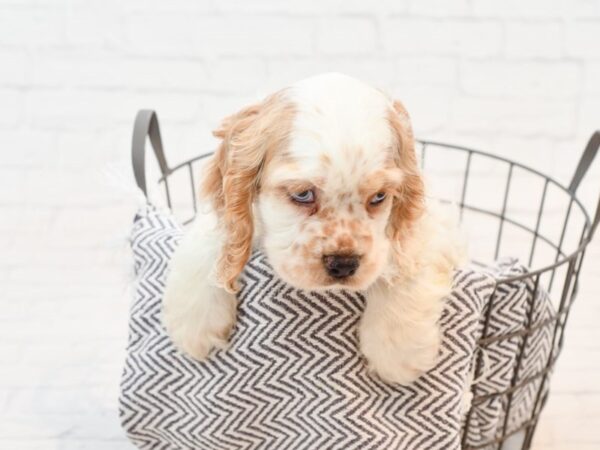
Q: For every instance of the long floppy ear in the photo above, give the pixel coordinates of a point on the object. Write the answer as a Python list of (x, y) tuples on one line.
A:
[(409, 205), (232, 178)]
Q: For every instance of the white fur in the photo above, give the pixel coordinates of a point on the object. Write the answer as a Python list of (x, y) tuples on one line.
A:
[(398, 332), (344, 121), (197, 313)]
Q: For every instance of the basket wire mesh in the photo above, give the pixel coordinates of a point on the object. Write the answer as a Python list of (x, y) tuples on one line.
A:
[(557, 272)]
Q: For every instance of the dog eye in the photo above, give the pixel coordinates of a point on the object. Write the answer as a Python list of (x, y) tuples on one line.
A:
[(377, 198), (307, 196)]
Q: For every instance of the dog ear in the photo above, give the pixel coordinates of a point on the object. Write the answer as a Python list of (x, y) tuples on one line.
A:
[(232, 178), (409, 204), (220, 167)]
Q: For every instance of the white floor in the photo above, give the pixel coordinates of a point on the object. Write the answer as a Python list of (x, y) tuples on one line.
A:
[(63, 331)]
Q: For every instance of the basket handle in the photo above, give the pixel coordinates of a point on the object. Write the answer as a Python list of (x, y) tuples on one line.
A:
[(590, 152), (146, 124)]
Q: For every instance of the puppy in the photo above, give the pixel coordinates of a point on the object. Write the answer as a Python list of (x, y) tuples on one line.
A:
[(322, 177)]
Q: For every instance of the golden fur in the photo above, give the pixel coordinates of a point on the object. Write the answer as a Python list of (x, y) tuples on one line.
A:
[(250, 139)]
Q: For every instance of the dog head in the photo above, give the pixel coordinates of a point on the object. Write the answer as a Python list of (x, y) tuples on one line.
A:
[(323, 175)]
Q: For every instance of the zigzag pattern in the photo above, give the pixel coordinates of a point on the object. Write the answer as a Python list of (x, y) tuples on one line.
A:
[(510, 305), (293, 376)]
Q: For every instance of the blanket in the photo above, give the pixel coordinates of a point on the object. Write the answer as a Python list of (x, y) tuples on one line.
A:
[(293, 376)]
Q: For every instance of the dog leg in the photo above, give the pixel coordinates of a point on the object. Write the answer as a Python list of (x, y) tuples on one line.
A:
[(197, 314), (399, 331)]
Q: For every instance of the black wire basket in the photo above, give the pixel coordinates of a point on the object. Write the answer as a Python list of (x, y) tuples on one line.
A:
[(552, 239)]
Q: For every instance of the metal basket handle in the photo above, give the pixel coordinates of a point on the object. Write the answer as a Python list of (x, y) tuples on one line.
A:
[(590, 152), (146, 124)]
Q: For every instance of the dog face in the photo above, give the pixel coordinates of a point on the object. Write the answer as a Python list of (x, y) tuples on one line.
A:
[(326, 226), (323, 176)]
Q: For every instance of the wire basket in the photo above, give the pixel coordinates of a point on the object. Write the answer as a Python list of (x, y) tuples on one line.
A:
[(535, 218)]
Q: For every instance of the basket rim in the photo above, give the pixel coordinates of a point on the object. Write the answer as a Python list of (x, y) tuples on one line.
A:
[(425, 142), (572, 195)]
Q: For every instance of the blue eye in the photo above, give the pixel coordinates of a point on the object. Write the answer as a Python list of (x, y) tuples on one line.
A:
[(377, 198), (307, 196)]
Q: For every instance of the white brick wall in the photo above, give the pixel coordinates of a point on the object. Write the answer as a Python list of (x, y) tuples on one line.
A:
[(518, 77)]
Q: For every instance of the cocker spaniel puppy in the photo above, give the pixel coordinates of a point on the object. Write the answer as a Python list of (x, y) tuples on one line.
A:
[(322, 177)]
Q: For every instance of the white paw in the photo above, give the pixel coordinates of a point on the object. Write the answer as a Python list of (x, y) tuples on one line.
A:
[(200, 320), (400, 361)]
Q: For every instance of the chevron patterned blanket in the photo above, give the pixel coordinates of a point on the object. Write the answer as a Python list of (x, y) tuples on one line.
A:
[(293, 377)]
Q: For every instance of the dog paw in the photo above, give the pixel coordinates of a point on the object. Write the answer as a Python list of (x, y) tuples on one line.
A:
[(199, 324), (400, 362)]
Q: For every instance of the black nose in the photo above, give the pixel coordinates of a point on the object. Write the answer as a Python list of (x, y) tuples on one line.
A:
[(341, 266)]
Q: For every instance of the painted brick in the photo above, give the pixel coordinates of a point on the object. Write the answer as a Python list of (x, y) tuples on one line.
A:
[(27, 148), (15, 68), (443, 37), (11, 108), (108, 71), (516, 8), (235, 75), (26, 28), (524, 117), (582, 39), (439, 8), (535, 40), (213, 35), (592, 78), (418, 70), (524, 79), (309, 6), (518, 78), (93, 25), (346, 36)]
